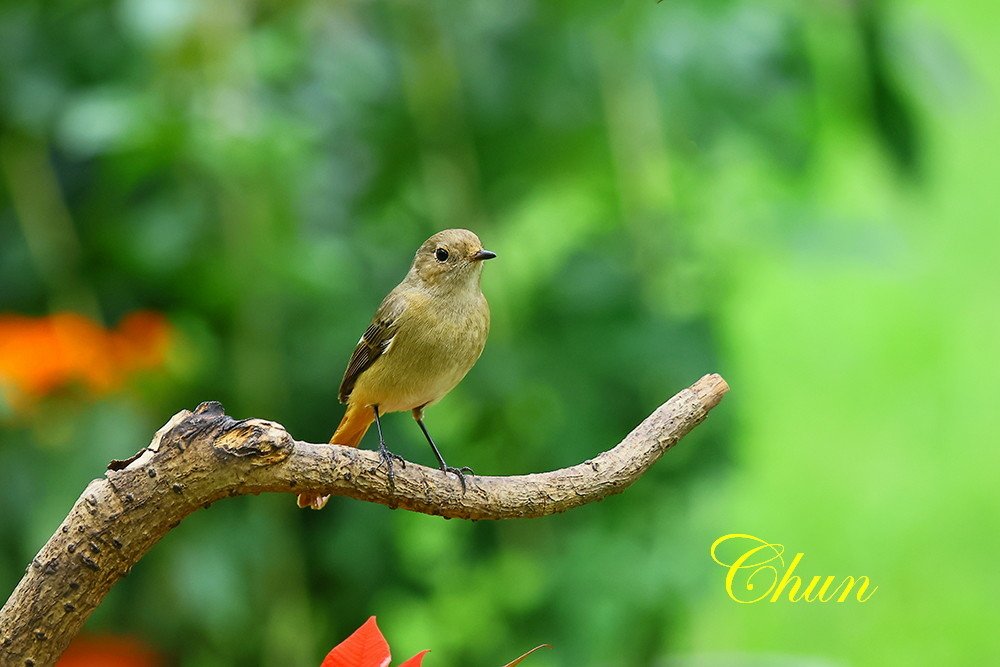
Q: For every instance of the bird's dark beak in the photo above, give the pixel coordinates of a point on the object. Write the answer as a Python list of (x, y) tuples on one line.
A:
[(483, 254)]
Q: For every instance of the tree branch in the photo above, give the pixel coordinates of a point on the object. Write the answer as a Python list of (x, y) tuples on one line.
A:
[(200, 457)]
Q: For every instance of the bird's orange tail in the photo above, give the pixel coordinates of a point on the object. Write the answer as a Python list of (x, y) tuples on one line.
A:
[(352, 428), (357, 419)]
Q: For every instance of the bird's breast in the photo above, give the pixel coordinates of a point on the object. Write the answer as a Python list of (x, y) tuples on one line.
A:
[(437, 342)]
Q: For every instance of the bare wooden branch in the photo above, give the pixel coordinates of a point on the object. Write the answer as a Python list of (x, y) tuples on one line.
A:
[(200, 457)]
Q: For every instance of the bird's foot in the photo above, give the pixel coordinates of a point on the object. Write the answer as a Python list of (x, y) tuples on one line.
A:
[(461, 472), (387, 459)]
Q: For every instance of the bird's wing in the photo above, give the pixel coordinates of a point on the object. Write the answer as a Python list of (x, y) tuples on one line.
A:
[(374, 342)]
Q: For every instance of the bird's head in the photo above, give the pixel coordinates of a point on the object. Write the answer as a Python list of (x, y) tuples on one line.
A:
[(450, 259)]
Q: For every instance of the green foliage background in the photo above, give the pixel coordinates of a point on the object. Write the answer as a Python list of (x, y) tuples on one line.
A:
[(801, 196)]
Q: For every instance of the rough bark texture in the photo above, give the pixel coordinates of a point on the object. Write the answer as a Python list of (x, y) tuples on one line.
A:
[(200, 457)]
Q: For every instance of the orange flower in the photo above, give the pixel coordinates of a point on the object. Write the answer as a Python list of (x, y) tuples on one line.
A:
[(109, 651), (41, 355)]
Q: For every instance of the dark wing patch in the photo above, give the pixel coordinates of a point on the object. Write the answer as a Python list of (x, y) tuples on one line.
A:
[(373, 343)]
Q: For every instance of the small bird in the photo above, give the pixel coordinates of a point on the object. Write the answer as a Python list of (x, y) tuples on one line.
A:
[(425, 336)]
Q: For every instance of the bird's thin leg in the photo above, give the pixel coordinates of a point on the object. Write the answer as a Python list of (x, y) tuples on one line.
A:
[(384, 453), (418, 415)]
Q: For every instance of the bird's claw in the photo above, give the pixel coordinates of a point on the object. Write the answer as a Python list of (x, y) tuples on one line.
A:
[(387, 458), (461, 472)]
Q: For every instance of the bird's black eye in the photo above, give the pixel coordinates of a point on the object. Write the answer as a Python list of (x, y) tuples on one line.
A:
[(441, 254)]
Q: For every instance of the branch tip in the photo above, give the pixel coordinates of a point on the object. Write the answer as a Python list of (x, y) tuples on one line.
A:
[(710, 389)]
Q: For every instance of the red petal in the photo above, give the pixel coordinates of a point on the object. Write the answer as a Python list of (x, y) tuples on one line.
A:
[(417, 660), (365, 648)]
